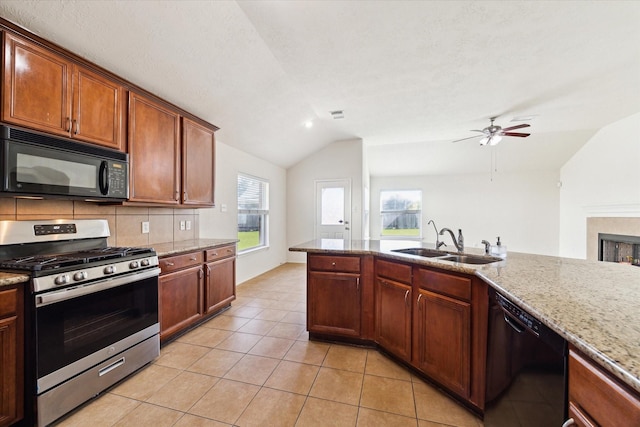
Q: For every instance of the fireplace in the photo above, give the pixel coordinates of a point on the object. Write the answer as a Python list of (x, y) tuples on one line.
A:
[(619, 248)]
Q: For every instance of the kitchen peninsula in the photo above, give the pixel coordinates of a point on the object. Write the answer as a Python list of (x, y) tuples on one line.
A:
[(591, 304)]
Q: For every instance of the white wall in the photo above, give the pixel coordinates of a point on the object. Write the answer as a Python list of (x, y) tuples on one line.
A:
[(520, 208), (339, 160), (602, 179), (217, 224)]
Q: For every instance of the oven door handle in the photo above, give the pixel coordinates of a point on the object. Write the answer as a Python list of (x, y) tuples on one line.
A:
[(75, 292)]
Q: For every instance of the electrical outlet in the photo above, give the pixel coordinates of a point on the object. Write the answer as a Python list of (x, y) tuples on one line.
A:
[(182, 225), (145, 227), (188, 225)]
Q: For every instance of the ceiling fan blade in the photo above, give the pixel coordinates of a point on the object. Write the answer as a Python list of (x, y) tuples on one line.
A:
[(523, 135), (476, 130), (463, 139), (523, 125)]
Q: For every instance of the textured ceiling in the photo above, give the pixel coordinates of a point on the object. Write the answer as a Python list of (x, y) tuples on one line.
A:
[(410, 76)]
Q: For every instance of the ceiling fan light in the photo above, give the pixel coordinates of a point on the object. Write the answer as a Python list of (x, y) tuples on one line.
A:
[(495, 139), (484, 140)]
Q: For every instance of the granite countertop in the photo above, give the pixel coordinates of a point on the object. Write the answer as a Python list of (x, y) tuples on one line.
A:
[(170, 248), (8, 279), (592, 304)]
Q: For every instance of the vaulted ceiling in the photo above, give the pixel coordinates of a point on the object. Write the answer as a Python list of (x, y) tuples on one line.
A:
[(410, 76)]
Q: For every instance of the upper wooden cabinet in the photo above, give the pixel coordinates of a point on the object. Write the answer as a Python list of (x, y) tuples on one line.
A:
[(154, 152), (198, 164), (165, 168), (44, 91)]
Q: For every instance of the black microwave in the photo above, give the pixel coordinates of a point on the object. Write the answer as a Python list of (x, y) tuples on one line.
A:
[(39, 165)]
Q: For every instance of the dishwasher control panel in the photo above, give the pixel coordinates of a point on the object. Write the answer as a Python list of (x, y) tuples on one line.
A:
[(523, 317)]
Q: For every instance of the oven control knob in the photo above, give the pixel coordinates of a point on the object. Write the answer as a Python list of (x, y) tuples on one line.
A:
[(134, 264), (61, 280), (144, 262), (109, 269), (80, 275)]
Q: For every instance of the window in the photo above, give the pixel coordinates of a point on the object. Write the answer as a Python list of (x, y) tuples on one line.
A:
[(253, 212), (400, 213)]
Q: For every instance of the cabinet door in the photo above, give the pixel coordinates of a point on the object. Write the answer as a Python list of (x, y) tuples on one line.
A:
[(11, 357), (154, 156), (97, 109), (596, 398), (443, 339), (180, 297), (221, 284), (198, 164), (36, 87), (333, 303), (393, 317)]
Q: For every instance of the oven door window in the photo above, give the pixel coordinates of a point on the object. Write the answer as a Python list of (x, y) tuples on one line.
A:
[(69, 330)]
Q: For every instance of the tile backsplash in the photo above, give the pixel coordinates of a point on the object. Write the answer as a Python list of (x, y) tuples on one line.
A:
[(125, 222)]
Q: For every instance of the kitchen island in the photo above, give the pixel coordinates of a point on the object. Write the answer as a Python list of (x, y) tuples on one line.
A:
[(591, 304)]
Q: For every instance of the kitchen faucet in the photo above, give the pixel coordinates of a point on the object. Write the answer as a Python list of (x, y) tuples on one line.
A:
[(438, 242), (487, 247), (459, 242)]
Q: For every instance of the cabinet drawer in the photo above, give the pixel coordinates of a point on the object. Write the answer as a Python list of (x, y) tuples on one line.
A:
[(445, 284), (181, 261), (598, 396), (221, 252), (8, 302), (394, 271), (346, 264)]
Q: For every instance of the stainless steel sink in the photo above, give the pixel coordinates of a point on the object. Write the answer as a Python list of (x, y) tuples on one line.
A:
[(471, 259), (428, 253)]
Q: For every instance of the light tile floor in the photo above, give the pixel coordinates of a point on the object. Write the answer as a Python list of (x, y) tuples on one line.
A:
[(254, 365)]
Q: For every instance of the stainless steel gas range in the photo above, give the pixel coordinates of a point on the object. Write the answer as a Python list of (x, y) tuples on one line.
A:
[(91, 313)]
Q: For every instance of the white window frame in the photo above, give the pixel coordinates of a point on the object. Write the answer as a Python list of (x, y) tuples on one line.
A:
[(261, 207), (414, 211)]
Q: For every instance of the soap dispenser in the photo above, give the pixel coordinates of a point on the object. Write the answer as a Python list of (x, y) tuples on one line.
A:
[(499, 249)]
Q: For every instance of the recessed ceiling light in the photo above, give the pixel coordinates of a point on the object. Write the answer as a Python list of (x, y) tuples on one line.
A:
[(308, 124), (337, 114)]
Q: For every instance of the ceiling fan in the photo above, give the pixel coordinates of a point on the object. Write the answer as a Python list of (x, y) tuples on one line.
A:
[(492, 134)]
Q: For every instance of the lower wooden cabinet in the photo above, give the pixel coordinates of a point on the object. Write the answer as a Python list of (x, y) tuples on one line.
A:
[(394, 298), (596, 398), (194, 286), (12, 355), (180, 300), (220, 287), (443, 340), (336, 307)]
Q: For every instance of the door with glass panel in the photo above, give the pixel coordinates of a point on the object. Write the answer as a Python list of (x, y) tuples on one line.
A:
[(333, 209)]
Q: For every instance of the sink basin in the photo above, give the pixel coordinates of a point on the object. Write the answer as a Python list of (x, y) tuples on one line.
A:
[(428, 253), (471, 259)]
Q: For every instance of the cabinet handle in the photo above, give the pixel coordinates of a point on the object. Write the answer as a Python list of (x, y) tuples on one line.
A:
[(333, 264), (357, 283), (170, 264), (67, 124), (77, 126), (177, 195), (406, 295), (215, 254), (200, 273), (569, 422), (193, 259), (208, 270), (418, 303)]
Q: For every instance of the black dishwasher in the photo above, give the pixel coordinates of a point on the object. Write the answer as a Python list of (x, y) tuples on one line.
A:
[(526, 368)]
